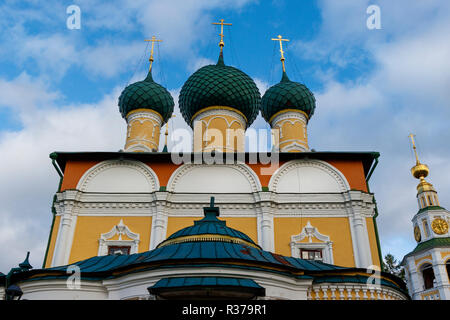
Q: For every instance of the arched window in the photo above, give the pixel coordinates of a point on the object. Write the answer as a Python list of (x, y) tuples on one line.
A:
[(428, 276), (430, 201)]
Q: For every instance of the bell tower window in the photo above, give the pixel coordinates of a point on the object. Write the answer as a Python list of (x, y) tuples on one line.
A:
[(428, 276)]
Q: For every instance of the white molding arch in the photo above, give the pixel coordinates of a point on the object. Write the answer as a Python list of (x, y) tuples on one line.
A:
[(120, 229), (243, 169), (334, 173), (90, 175)]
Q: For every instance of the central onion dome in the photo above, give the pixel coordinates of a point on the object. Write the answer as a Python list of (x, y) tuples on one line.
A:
[(222, 86), (287, 95), (146, 94)]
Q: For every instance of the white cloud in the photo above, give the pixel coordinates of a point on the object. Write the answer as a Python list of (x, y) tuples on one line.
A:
[(406, 91), (25, 166)]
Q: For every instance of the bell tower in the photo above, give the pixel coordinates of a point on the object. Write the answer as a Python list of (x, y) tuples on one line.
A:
[(427, 267)]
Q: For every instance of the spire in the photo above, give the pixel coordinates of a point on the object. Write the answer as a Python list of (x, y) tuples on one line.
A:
[(419, 171), (280, 39), (220, 62), (221, 43), (152, 40), (426, 193)]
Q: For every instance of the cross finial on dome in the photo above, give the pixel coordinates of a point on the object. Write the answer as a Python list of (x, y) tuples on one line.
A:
[(221, 23), (280, 39), (152, 40)]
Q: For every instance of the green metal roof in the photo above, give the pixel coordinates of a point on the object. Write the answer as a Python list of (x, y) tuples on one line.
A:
[(146, 94), (219, 85), (177, 282), (430, 208), (432, 243), (287, 95)]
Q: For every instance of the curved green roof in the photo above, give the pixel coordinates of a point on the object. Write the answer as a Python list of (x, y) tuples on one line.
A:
[(219, 85), (210, 225), (287, 95), (146, 94)]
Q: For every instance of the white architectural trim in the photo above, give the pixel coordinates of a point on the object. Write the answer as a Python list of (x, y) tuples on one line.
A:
[(288, 166), (122, 230), (241, 167), (149, 174), (310, 232)]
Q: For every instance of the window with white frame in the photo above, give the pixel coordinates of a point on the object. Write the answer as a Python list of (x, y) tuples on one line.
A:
[(320, 250), (127, 242)]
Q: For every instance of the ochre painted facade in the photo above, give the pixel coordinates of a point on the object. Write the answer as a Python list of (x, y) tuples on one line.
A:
[(290, 131), (143, 127), (89, 229), (373, 241), (338, 229), (51, 246), (221, 129)]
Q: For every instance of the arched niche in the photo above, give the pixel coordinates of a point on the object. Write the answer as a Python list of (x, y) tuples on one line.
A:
[(217, 178), (119, 176), (308, 176)]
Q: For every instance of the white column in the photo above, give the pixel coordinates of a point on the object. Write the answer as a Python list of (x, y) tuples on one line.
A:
[(64, 232), (267, 232), (361, 237), (265, 224), (440, 274), (416, 283)]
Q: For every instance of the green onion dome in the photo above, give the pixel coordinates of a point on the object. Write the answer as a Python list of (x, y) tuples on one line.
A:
[(219, 85), (146, 94), (287, 95)]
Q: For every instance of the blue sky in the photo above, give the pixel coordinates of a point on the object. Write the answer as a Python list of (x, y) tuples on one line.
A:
[(59, 89)]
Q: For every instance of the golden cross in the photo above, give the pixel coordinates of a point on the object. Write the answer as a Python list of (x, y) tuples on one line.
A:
[(414, 147), (153, 40), (280, 39), (221, 43)]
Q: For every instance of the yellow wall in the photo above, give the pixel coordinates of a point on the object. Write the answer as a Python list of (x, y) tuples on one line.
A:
[(51, 248), (88, 230), (246, 225), (142, 130), (220, 126), (373, 242), (338, 229), (444, 254)]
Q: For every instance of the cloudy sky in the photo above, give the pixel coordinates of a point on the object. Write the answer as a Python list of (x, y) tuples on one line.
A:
[(59, 89)]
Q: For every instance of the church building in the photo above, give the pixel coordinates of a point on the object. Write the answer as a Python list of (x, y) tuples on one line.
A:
[(135, 224)]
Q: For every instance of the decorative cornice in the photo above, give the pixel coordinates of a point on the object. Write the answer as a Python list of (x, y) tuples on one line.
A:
[(290, 113), (149, 114)]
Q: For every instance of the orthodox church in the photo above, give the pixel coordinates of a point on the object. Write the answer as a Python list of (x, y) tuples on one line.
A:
[(135, 224)]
